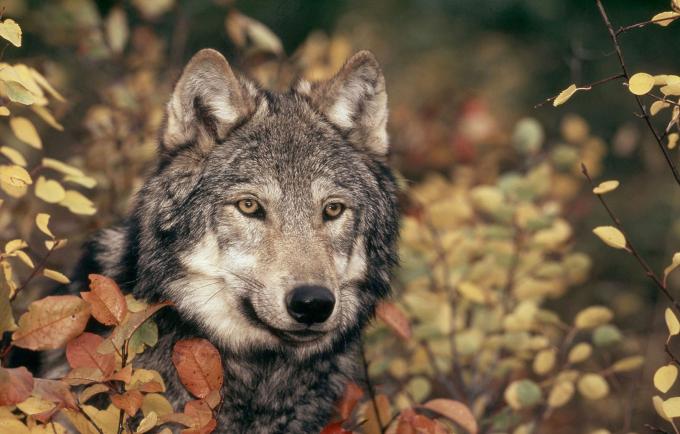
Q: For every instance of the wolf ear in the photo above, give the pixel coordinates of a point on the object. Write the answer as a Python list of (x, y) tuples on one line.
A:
[(356, 101), (207, 102)]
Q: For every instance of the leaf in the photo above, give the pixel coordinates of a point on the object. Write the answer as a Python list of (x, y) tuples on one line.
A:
[(565, 95), (672, 322), (77, 203), (455, 411), (665, 377), (641, 83), (145, 336), (665, 18), (49, 190), (560, 394), (91, 391), (42, 81), (523, 394), (606, 187), (628, 364), (13, 155), (198, 365), (13, 426), (157, 403), (246, 32), (125, 331), (82, 353), (580, 352), (592, 317), (64, 168), (107, 300), (673, 140), (671, 407), (130, 401), (47, 117), (54, 391), (117, 30), (335, 428), (147, 423), (593, 386), (17, 92), (42, 221), (15, 385), (10, 30), (51, 322), (24, 130), (7, 323), (395, 319), (33, 405), (657, 106), (146, 380), (350, 398), (56, 276), (658, 406), (611, 236), (15, 176)]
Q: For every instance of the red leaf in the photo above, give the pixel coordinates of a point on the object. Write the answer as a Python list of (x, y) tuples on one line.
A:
[(350, 398), (130, 402), (455, 411), (108, 302), (55, 391), (335, 428), (82, 353), (395, 319), (124, 375), (198, 365), (51, 322), (15, 385)]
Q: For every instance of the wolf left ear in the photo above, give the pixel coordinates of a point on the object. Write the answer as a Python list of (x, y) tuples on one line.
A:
[(356, 101), (208, 100)]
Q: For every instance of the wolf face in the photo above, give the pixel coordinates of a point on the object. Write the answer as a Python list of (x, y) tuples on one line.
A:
[(271, 219)]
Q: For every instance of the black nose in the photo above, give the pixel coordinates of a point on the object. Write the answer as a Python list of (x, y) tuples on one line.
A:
[(309, 304)]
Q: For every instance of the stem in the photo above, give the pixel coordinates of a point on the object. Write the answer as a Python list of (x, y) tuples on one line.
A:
[(121, 413), (371, 390), (643, 109), (586, 87), (89, 419), (643, 24), (35, 271)]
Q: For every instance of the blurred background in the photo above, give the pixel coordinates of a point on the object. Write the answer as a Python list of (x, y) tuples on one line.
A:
[(483, 170)]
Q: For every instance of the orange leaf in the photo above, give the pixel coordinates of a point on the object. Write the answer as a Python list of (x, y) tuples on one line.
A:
[(55, 391), (352, 395), (15, 385), (130, 402), (51, 322), (82, 353), (198, 365), (455, 411), (205, 429), (124, 375), (125, 330), (335, 428), (107, 300), (395, 319)]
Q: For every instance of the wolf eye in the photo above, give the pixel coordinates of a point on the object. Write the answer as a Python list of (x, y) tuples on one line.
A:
[(250, 207), (333, 210)]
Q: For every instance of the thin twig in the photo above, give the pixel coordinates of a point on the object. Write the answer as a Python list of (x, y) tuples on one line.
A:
[(643, 24), (89, 419), (36, 270), (643, 109), (630, 247), (371, 390), (585, 87)]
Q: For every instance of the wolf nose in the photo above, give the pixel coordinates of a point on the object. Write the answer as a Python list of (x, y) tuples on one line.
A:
[(309, 304)]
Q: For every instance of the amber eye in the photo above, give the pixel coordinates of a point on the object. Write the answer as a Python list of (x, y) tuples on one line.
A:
[(333, 210), (250, 207)]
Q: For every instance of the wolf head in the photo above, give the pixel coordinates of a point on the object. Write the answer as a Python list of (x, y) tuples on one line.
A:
[(271, 219)]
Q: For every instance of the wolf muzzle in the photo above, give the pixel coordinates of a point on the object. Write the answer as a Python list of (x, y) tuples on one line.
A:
[(310, 304)]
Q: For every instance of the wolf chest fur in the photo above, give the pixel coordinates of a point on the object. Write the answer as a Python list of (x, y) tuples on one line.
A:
[(270, 221)]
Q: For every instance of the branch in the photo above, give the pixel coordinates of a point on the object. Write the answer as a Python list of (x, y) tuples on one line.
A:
[(643, 110), (371, 390), (585, 87), (631, 248), (643, 24)]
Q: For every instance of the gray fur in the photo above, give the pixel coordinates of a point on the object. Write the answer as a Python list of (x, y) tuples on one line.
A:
[(227, 274)]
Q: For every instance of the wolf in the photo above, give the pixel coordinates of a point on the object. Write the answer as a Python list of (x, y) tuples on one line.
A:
[(270, 221)]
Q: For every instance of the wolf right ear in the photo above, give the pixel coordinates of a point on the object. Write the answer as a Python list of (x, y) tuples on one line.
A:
[(207, 102)]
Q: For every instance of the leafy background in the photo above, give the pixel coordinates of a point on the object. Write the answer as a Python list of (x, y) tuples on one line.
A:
[(497, 237)]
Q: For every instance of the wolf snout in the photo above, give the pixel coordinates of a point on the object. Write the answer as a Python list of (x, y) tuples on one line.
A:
[(310, 304)]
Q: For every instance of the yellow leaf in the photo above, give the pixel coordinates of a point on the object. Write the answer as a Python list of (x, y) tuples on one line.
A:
[(673, 140), (84, 181), (565, 95), (4, 111), (42, 81), (157, 403), (55, 244), (641, 83), (593, 386), (147, 423), (24, 130), (580, 352), (657, 106), (47, 117), (672, 322), (665, 18), (77, 203), (34, 405), (658, 406), (24, 258), (671, 407), (561, 394), (545, 361), (56, 276), (592, 317), (611, 236), (675, 262), (64, 168), (15, 176), (10, 30), (665, 377), (49, 190), (472, 292), (606, 187), (42, 220), (24, 76), (12, 246), (628, 364), (117, 30), (671, 89), (13, 155), (17, 92), (13, 426)]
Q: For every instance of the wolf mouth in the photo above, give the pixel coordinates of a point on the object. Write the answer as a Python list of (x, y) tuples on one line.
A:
[(289, 336)]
